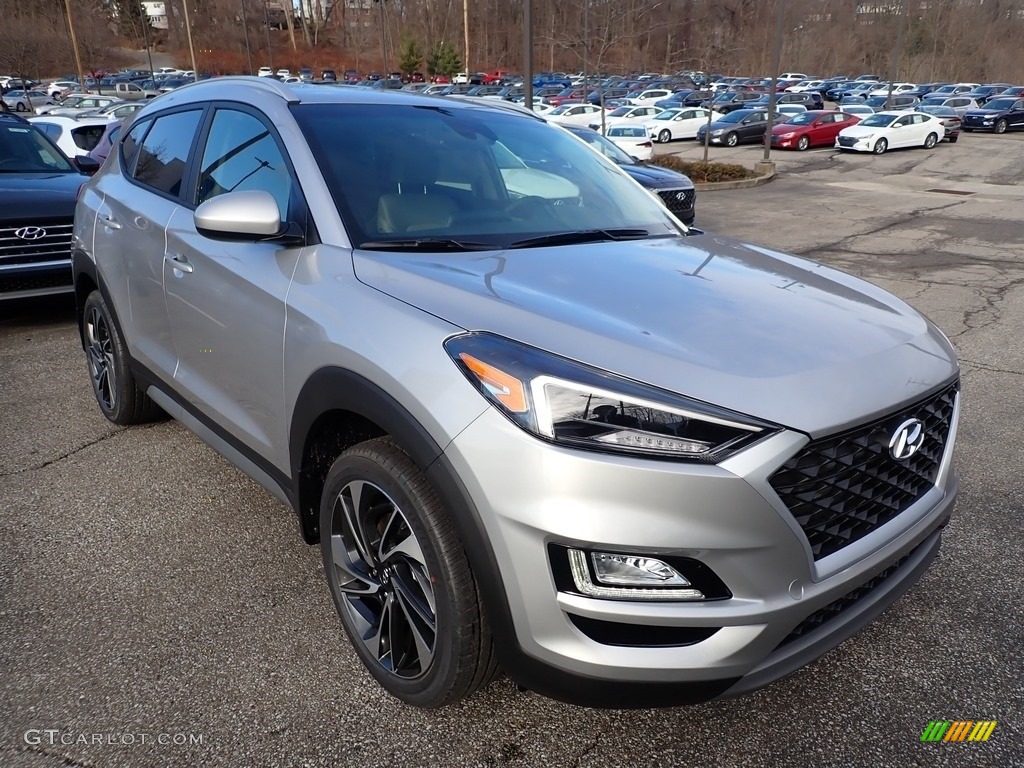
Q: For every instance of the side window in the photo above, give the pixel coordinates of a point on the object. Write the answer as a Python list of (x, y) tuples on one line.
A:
[(241, 154), (130, 145), (164, 152)]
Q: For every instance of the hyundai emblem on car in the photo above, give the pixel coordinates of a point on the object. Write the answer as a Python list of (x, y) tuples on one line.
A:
[(30, 233), (907, 439)]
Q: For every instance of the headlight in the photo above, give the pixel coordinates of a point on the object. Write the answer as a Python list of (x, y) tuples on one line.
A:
[(718, 131), (865, 137), (789, 135), (577, 406)]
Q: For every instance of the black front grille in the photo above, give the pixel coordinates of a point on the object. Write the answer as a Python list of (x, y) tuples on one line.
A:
[(35, 242), (847, 141), (843, 487), (836, 607), (678, 200)]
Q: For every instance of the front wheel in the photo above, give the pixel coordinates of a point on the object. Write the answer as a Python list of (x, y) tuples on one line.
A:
[(1000, 126), (19, 107), (803, 143), (665, 136), (732, 140), (880, 146), (400, 578)]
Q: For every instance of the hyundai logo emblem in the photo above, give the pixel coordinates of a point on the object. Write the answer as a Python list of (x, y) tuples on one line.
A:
[(30, 233), (680, 196), (907, 439)]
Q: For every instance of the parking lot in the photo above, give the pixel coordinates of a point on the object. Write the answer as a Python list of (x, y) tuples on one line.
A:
[(158, 599)]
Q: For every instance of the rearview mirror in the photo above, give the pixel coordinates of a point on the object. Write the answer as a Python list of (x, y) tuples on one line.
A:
[(249, 215)]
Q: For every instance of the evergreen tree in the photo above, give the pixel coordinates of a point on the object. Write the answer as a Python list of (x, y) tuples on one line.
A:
[(443, 60), (410, 57)]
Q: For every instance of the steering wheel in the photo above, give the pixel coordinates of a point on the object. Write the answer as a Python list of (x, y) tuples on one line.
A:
[(530, 207)]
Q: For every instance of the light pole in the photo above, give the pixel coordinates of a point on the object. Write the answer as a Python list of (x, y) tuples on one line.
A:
[(145, 37), (465, 30), (74, 47), (383, 41), (191, 47), (266, 26), (528, 52)]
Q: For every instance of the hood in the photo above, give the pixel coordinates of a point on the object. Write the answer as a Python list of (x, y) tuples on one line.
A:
[(37, 196), (656, 177), (982, 112), (780, 128), (862, 130), (763, 333)]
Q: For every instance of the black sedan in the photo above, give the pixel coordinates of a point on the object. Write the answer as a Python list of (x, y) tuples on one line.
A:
[(998, 115), (743, 125), (38, 188), (732, 100), (674, 189)]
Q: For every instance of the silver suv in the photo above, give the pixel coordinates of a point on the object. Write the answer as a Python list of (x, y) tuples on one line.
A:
[(530, 417)]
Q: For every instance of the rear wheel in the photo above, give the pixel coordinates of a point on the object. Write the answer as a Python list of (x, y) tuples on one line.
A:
[(803, 143), (880, 146), (119, 396), (930, 141), (665, 136), (732, 140), (1000, 126), (968, 130), (952, 139), (400, 578), (19, 107)]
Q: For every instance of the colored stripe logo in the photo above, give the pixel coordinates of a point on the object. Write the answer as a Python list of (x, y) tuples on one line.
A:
[(958, 730)]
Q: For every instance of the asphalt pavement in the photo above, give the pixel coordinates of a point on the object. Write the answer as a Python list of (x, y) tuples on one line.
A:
[(157, 608)]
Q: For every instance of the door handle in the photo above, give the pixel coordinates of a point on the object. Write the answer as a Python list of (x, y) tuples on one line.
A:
[(110, 221), (179, 263)]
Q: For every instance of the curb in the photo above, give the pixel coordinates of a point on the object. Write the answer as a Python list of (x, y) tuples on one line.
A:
[(718, 186)]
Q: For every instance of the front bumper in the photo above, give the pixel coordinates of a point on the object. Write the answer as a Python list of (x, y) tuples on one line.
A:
[(531, 495)]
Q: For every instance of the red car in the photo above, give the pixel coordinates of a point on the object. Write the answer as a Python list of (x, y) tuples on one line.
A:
[(816, 128)]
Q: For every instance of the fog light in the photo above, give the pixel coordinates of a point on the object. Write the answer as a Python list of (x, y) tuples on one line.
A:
[(629, 577)]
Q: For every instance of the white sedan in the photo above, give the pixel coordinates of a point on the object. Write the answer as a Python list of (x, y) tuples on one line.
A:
[(574, 114), (632, 139), (625, 114), (892, 130), (678, 123)]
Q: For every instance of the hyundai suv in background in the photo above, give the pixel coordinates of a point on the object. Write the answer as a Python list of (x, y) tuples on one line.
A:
[(528, 416)]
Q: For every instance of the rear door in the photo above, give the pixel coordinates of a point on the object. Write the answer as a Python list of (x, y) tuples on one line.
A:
[(226, 299), (1016, 116)]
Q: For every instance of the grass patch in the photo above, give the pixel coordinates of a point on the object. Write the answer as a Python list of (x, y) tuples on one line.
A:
[(702, 173)]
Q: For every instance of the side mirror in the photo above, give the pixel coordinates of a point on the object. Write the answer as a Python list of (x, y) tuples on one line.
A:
[(86, 164), (249, 215)]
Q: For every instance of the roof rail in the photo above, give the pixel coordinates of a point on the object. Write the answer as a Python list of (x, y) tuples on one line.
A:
[(266, 83)]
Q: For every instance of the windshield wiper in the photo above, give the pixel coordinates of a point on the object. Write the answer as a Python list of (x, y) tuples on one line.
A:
[(427, 244), (582, 236)]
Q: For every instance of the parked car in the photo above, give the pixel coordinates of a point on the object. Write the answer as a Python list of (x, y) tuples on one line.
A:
[(116, 111), (624, 114), (952, 89), (265, 72), (283, 73), (892, 103), (306, 75), (986, 92), (329, 76), (999, 116), (675, 190), (679, 123), (959, 104), (60, 88), (950, 120), (897, 88), (573, 114), (729, 101), (27, 101), (74, 135), (737, 127), (860, 110), (811, 129), (38, 187), (883, 131), (76, 104), (611, 483), (631, 139)]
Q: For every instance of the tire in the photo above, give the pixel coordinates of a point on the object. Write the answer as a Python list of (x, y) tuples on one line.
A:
[(880, 146), (803, 143), (664, 136), (20, 107), (118, 395), (953, 139), (1000, 126), (930, 141), (968, 130), (421, 596), (731, 140)]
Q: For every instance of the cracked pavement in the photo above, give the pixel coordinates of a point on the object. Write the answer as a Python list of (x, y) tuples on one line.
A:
[(150, 588)]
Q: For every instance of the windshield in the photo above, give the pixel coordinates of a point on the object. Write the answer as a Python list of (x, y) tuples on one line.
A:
[(733, 117), (668, 114), (804, 118), (23, 149), (419, 175), (933, 101), (938, 111), (1000, 104), (620, 112), (877, 121)]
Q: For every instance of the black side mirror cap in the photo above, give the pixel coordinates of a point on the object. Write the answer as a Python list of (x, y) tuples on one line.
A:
[(86, 164)]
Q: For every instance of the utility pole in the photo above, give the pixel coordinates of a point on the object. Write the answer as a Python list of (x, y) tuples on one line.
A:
[(266, 26), (383, 42), (245, 29), (74, 47), (465, 30), (191, 47), (897, 51), (145, 37)]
